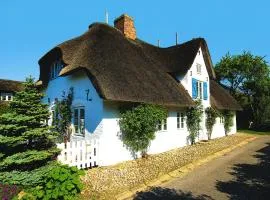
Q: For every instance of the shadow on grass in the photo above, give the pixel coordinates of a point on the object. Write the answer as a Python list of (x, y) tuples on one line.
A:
[(159, 193), (251, 181)]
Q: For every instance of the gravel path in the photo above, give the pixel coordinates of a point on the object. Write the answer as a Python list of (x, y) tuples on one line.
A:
[(241, 174)]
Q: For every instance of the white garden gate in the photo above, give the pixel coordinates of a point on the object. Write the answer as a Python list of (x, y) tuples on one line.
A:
[(82, 153)]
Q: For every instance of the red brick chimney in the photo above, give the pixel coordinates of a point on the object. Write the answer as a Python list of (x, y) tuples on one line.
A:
[(125, 24)]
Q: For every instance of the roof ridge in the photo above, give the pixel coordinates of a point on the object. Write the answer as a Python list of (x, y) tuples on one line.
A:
[(11, 80)]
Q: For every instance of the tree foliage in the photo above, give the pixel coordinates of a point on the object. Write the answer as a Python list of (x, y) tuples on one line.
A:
[(248, 80), (26, 141), (211, 115), (139, 124), (194, 119), (4, 107)]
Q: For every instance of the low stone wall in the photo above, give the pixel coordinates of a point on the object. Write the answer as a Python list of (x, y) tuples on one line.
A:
[(107, 182)]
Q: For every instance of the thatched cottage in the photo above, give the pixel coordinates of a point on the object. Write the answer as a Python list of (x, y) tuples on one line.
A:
[(8, 88), (108, 67)]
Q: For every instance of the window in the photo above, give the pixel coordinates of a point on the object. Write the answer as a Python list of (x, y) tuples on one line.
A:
[(199, 89), (180, 120), (162, 125), (221, 120), (199, 68), (55, 69), (6, 96), (79, 121)]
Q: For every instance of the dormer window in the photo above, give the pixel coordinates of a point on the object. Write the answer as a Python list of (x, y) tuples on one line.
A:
[(199, 68), (55, 69)]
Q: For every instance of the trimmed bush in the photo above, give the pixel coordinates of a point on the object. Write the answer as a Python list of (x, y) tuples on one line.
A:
[(61, 183)]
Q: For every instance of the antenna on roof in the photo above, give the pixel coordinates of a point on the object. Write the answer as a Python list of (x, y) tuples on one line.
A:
[(176, 38), (106, 17), (158, 43)]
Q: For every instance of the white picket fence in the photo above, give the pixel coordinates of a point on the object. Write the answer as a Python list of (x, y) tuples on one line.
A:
[(81, 153)]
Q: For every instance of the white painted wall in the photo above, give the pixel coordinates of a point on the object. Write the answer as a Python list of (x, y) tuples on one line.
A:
[(172, 137), (93, 105), (219, 131), (186, 81)]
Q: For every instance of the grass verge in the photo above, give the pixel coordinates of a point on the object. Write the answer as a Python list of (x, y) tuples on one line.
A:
[(254, 132)]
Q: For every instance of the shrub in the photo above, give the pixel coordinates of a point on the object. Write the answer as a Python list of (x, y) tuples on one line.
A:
[(211, 115), (228, 120), (4, 107), (62, 182), (194, 118), (138, 126)]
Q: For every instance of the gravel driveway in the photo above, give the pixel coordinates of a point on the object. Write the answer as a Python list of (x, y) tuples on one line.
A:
[(241, 174)]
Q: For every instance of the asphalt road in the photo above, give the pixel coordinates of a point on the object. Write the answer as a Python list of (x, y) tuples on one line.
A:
[(243, 173)]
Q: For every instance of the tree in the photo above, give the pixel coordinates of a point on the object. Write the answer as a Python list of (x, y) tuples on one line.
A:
[(138, 126), (194, 119), (248, 79), (26, 142), (211, 115)]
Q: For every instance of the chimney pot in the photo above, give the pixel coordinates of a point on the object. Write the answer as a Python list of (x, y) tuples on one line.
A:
[(125, 24)]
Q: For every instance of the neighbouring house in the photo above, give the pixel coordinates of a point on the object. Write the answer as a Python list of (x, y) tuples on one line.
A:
[(109, 67), (8, 88)]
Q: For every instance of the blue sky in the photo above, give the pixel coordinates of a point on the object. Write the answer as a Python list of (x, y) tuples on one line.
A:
[(30, 28)]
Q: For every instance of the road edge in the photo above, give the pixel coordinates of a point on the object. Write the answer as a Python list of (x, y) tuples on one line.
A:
[(180, 172)]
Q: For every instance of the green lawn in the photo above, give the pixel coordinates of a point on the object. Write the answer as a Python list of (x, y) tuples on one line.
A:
[(254, 132)]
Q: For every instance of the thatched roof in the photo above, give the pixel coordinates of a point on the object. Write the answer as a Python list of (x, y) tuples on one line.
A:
[(221, 98), (132, 70), (120, 68), (179, 58), (10, 85)]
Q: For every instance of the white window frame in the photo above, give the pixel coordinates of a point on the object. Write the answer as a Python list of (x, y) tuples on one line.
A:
[(80, 130), (180, 120), (221, 120), (162, 125), (55, 69), (199, 89)]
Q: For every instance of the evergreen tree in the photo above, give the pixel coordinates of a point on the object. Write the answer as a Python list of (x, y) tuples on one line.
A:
[(26, 142)]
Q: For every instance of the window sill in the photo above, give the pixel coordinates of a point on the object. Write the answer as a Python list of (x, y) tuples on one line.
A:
[(77, 135), (161, 131)]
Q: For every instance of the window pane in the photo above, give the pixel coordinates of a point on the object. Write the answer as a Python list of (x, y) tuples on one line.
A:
[(159, 125), (178, 120), (82, 123), (165, 124), (76, 120)]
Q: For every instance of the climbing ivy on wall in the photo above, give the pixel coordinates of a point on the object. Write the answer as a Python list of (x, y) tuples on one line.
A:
[(211, 115), (138, 126), (228, 120), (63, 115), (194, 118)]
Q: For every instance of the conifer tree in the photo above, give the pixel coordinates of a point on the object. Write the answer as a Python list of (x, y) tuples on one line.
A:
[(26, 141)]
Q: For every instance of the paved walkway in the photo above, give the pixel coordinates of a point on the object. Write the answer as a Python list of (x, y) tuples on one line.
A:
[(243, 173)]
